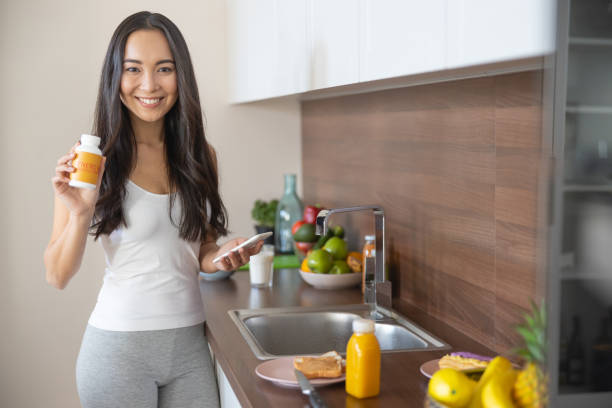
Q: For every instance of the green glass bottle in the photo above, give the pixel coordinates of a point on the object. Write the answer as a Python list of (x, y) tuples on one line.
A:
[(289, 210)]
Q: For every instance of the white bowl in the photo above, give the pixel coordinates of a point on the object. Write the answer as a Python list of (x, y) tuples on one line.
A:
[(327, 281), (215, 276)]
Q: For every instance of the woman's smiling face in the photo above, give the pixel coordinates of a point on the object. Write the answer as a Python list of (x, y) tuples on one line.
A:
[(148, 81)]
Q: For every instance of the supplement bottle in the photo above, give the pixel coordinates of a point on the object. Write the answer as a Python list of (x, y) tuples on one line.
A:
[(363, 361), (86, 163), (368, 258)]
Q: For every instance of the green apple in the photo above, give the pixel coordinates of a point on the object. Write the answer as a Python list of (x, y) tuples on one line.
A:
[(339, 268), (337, 247), (320, 261)]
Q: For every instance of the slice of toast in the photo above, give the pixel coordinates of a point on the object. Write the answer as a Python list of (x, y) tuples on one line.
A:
[(328, 365), (458, 362)]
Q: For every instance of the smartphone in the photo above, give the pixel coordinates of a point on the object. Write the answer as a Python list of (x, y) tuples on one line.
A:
[(246, 244)]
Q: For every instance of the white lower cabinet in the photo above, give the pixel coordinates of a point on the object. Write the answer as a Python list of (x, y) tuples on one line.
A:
[(227, 396)]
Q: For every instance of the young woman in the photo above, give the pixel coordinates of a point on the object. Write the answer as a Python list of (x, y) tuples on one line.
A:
[(158, 213)]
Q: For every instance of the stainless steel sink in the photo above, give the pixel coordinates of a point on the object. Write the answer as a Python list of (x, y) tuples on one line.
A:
[(294, 331)]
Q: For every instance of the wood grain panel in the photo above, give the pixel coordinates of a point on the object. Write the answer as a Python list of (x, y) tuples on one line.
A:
[(515, 264), (463, 306), (507, 316), (519, 157), (456, 165), (515, 125), (515, 167), (517, 206)]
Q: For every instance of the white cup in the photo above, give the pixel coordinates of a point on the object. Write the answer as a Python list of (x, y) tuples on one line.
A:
[(261, 267)]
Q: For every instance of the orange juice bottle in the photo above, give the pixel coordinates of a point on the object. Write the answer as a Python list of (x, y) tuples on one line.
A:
[(363, 361), (86, 163)]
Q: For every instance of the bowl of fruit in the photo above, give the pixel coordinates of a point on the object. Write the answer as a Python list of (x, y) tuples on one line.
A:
[(332, 266), (325, 260)]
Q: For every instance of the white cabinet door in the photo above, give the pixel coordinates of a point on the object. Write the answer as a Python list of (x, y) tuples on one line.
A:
[(267, 48), (251, 30), (292, 75), (334, 42), (227, 396), (485, 31), (402, 37)]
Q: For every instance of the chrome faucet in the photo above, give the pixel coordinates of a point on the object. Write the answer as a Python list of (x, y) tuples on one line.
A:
[(379, 260)]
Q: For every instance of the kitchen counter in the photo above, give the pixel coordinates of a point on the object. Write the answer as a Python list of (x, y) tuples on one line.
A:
[(402, 385)]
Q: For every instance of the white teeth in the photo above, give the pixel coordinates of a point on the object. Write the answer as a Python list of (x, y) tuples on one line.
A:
[(149, 101)]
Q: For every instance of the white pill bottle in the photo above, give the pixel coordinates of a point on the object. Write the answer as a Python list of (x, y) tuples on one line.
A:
[(86, 163)]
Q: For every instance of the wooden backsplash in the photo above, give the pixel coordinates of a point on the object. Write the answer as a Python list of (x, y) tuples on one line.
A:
[(458, 167)]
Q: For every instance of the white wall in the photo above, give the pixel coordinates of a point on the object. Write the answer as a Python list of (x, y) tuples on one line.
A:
[(51, 58)]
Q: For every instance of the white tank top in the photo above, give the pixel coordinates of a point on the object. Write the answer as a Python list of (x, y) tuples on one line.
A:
[(151, 276)]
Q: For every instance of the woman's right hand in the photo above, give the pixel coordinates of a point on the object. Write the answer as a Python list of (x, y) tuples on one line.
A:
[(79, 201)]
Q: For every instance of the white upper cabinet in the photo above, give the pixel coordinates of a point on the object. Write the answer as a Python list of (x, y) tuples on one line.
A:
[(485, 31), (292, 47), (251, 30), (267, 48), (334, 42), (282, 47), (401, 37)]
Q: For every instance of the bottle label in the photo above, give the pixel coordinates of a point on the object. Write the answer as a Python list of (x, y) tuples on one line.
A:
[(87, 166)]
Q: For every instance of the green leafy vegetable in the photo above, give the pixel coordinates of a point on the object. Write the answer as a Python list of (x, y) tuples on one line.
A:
[(264, 213)]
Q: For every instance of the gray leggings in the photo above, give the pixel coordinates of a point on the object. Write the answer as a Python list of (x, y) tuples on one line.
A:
[(146, 369)]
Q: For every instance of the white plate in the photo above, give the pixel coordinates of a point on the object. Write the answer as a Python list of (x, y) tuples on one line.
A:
[(430, 367), (327, 281), (280, 372)]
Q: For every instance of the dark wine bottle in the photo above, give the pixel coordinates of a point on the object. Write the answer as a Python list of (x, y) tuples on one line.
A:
[(563, 363), (601, 362), (575, 355)]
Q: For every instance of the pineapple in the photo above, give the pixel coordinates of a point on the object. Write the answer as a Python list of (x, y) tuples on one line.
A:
[(530, 388)]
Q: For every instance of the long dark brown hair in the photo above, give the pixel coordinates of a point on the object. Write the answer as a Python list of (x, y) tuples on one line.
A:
[(192, 171)]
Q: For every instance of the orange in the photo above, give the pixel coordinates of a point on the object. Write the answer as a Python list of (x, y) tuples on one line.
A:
[(304, 266), (354, 261)]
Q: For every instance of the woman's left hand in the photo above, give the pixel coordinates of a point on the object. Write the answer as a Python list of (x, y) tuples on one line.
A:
[(235, 259)]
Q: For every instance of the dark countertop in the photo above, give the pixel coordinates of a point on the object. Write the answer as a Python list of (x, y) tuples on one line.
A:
[(402, 385)]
